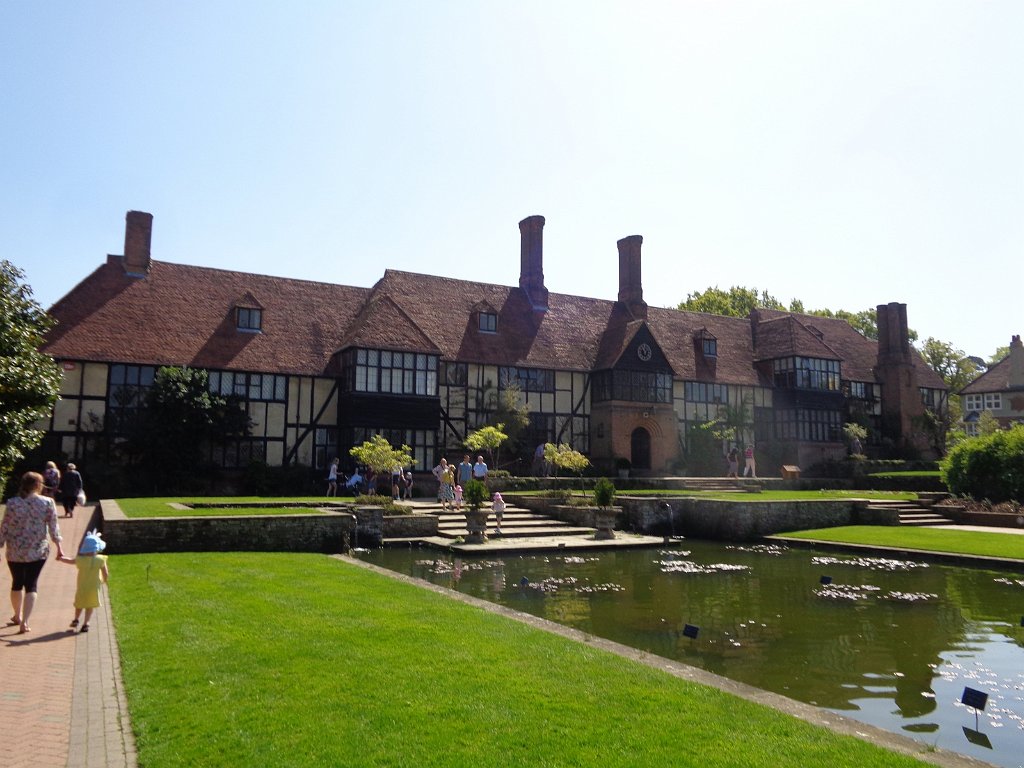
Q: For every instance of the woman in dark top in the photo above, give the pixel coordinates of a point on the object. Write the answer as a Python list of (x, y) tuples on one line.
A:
[(70, 486)]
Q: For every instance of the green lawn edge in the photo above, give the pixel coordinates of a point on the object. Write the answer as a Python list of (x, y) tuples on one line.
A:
[(944, 540), (241, 659)]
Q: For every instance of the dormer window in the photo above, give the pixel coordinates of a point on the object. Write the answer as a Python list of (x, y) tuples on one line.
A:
[(488, 322), (707, 343), (249, 319)]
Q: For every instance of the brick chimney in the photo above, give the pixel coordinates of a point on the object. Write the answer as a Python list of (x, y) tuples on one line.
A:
[(631, 290), (531, 269), (138, 233), (895, 370), (1015, 378)]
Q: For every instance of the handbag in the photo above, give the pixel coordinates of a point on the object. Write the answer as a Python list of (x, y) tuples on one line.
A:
[(81, 496)]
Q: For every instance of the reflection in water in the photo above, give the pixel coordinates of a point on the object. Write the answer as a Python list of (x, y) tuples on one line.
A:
[(889, 642)]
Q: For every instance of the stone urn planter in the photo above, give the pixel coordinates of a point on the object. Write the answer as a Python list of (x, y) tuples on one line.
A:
[(476, 525), (604, 521)]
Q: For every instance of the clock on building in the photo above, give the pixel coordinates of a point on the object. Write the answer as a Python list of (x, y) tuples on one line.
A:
[(644, 352)]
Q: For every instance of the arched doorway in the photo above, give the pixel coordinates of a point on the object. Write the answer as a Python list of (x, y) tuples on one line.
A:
[(640, 448)]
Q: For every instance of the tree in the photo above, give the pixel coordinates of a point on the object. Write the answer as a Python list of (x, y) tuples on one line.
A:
[(953, 365), (29, 380), (487, 439), (998, 355), (736, 302), (182, 421), (511, 415), (740, 302), (564, 456), (378, 454)]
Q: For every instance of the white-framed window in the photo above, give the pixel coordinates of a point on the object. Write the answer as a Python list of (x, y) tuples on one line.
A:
[(993, 401), (488, 322), (249, 319), (973, 402)]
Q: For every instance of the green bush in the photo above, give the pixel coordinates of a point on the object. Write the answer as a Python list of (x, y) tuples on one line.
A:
[(604, 492), (475, 493), (988, 467)]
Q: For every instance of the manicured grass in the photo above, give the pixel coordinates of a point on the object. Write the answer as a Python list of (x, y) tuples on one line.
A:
[(304, 660), (932, 539), (161, 507)]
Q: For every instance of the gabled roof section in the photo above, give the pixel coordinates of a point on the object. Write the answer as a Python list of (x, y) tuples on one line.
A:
[(248, 300), (787, 337), (382, 324), (181, 315), (995, 379), (675, 329)]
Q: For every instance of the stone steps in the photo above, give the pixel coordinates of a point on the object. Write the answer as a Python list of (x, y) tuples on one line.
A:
[(912, 513), (515, 523)]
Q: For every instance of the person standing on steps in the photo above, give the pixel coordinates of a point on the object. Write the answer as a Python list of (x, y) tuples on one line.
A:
[(465, 473), (480, 470)]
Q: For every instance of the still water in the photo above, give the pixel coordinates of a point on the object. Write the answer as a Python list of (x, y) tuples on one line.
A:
[(892, 643)]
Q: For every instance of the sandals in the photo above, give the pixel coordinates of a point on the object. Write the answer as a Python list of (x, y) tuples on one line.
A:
[(85, 628), (74, 623)]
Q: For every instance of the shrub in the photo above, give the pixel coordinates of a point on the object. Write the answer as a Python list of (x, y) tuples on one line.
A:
[(988, 467), (475, 493), (604, 492)]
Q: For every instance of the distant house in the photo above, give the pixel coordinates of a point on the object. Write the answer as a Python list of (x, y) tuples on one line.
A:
[(421, 359), (1000, 391)]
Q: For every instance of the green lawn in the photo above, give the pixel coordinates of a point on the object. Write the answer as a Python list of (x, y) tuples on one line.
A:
[(932, 539), (305, 660), (161, 507)]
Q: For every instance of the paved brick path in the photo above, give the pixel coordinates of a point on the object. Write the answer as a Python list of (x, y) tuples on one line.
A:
[(61, 698)]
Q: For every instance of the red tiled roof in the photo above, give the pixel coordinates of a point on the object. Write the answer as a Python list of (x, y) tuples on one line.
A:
[(995, 379), (183, 315)]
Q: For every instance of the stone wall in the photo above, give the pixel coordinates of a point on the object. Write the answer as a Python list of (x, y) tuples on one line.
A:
[(330, 532)]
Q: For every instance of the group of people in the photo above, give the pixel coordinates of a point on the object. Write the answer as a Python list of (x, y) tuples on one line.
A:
[(66, 487), (733, 458), (359, 482), (29, 525), (451, 479)]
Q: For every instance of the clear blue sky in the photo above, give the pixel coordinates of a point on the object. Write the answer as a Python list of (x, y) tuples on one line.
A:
[(843, 153)]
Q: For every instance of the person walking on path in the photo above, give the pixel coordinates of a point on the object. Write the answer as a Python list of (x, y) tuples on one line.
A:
[(70, 487), (408, 485), (51, 480), (751, 466), (28, 519), (92, 572)]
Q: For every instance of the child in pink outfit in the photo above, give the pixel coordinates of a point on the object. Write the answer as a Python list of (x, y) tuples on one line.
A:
[(498, 508), (458, 497)]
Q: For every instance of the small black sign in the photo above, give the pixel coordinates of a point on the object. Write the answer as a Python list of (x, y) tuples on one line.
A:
[(826, 579), (974, 699), (690, 630)]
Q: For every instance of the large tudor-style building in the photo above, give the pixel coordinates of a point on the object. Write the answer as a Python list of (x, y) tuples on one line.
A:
[(421, 360)]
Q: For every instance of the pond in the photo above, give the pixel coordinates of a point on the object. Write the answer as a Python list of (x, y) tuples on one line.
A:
[(892, 643)]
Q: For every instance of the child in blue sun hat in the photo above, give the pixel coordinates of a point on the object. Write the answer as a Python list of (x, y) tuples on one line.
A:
[(92, 571)]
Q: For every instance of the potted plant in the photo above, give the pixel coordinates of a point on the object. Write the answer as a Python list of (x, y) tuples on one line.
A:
[(604, 515), (623, 465), (475, 494)]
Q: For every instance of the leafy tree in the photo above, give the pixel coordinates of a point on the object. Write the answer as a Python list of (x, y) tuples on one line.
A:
[(378, 454), (739, 301), (998, 355), (29, 380), (511, 414), (182, 421), (736, 302), (853, 431), (564, 456), (953, 365), (487, 439)]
